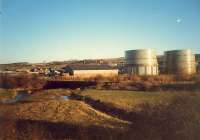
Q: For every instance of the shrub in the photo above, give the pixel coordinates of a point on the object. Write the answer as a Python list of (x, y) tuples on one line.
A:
[(135, 78), (21, 81)]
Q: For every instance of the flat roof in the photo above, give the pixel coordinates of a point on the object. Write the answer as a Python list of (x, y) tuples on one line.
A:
[(90, 67)]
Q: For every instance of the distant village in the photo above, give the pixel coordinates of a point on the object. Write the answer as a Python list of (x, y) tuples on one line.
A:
[(137, 62)]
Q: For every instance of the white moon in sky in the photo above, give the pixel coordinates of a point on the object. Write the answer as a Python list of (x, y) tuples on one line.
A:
[(178, 20)]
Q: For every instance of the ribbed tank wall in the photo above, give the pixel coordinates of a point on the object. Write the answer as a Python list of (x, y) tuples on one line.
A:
[(141, 62), (198, 68), (180, 62)]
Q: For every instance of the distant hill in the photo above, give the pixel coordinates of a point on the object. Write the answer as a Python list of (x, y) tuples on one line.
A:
[(58, 64)]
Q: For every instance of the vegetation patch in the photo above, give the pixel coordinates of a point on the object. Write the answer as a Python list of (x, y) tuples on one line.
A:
[(165, 116), (21, 81)]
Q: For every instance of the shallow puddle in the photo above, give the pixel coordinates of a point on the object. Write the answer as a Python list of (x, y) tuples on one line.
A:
[(63, 97), (24, 96), (21, 96)]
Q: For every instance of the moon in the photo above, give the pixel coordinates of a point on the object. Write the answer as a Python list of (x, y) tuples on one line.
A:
[(178, 20)]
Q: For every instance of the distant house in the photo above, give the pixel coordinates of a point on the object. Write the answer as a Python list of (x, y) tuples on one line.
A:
[(88, 70)]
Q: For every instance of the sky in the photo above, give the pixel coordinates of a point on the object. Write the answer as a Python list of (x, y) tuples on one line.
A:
[(58, 30)]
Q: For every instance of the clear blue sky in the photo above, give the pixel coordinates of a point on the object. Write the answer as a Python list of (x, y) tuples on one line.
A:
[(46, 30)]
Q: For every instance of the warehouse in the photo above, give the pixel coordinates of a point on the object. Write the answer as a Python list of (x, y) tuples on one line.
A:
[(85, 70)]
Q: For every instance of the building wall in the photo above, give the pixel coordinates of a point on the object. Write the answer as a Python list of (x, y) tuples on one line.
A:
[(93, 73)]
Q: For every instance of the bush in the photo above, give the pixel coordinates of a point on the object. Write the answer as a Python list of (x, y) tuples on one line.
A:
[(21, 81)]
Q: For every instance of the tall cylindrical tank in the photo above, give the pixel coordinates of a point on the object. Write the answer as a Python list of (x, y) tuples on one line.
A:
[(197, 59), (198, 68), (180, 62), (141, 62)]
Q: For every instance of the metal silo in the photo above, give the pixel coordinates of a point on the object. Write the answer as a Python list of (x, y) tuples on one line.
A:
[(141, 62), (197, 59), (180, 62), (198, 68)]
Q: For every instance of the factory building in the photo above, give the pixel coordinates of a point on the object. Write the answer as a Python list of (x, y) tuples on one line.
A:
[(180, 62), (86, 71), (141, 62)]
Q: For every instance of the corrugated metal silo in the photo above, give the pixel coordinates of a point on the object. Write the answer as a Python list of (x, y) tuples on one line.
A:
[(141, 62), (198, 68), (197, 59), (180, 62)]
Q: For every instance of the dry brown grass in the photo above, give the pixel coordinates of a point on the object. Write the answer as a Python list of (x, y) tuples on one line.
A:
[(52, 119), (149, 83), (122, 82), (128, 100), (153, 116), (157, 78), (161, 116), (21, 81)]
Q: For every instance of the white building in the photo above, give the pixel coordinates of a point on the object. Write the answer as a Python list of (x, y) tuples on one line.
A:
[(85, 70)]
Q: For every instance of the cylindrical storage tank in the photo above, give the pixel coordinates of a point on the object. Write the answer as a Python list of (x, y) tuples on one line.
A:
[(180, 62), (141, 62), (198, 68)]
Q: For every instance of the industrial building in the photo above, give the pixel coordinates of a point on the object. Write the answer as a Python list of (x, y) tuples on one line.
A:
[(89, 70), (141, 62), (180, 62)]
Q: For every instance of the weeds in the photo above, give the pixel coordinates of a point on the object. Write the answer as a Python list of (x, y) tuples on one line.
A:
[(21, 81)]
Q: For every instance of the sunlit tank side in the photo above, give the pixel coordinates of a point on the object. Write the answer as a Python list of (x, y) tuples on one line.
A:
[(141, 62), (180, 62)]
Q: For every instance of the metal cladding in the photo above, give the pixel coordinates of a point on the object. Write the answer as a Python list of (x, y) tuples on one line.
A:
[(198, 68), (141, 62), (180, 62)]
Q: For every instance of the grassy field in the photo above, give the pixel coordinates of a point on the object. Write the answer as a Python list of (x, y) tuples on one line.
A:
[(6, 94), (154, 115), (129, 100), (101, 114), (45, 116)]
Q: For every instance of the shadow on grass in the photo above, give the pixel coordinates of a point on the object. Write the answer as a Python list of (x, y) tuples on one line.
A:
[(41, 130), (178, 119), (181, 87), (69, 84)]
